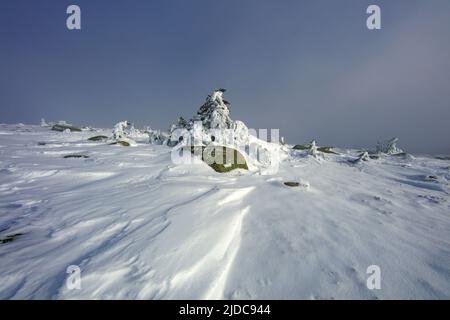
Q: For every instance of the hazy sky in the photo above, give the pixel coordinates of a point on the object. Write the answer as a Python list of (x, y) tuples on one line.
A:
[(310, 68)]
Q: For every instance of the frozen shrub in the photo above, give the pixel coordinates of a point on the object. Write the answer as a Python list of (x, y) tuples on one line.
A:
[(44, 124), (121, 134), (216, 125), (119, 130), (388, 147)]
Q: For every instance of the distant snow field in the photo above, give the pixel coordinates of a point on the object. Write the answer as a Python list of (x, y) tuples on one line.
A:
[(140, 227)]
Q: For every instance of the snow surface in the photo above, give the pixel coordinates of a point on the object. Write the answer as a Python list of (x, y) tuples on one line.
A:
[(140, 227)]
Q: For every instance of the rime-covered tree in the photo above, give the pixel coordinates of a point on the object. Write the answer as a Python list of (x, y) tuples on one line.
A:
[(119, 130), (216, 125), (389, 147)]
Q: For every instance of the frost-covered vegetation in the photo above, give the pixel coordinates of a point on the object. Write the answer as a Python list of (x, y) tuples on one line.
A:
[(211, 125), (389, 147)]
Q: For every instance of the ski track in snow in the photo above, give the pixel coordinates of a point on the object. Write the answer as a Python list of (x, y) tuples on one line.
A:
[(140, 227)]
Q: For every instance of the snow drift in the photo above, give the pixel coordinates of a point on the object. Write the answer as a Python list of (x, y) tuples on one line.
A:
[(140, 227)]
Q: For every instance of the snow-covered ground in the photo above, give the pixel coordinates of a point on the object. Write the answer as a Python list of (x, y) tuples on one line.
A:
[(140, 227)]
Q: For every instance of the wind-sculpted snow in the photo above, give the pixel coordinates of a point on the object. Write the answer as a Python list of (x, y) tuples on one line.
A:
[(141, 227)]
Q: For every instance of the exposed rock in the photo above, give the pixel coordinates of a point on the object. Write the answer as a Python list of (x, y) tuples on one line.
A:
[(220, 158), (292, 184), (326, 150), (313, 149), (98, 138), (10, 238), (121, 143), (65, 127), (76, 156), (431, 178), (302, 184), (301, 147)]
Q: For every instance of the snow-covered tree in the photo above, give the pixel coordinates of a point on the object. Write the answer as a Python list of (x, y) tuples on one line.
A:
[(364, 156), (158, 137), (44, 124), (213, 126), (214, 113), (313, 148), (119, 130), (216, 125), (389, 147), (181, 124), (133, 132), (121, 134)]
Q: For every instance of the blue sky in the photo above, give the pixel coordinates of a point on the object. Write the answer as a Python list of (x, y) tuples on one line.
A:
[(310, 68)]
